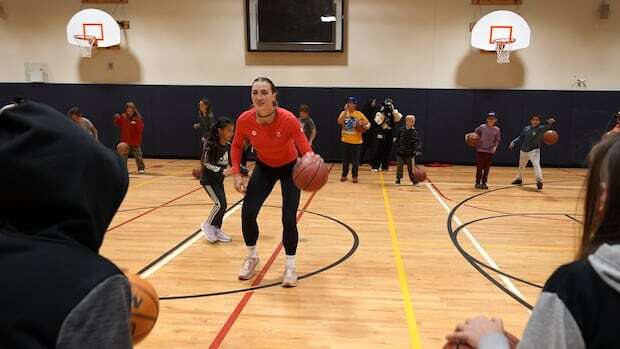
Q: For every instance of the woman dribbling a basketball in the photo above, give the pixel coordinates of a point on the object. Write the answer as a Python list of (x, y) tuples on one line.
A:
[(276, 136)]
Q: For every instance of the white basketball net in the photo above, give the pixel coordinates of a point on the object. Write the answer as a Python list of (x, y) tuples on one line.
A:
[(503, 48), (86, 43)]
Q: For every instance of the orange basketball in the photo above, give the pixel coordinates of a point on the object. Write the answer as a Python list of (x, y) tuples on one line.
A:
[(196, 172), (472, 139), (122, 148), (550, 137), (419, 174), (360, 126), (144, 307), (310, 173)]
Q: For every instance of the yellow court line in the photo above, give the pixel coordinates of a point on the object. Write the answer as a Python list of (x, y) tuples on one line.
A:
[(414, 334)]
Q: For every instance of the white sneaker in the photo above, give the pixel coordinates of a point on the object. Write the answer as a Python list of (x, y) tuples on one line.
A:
[(210, 232), (141, 171), (248, 268), (290, 277), (374, 170), (221, 236)]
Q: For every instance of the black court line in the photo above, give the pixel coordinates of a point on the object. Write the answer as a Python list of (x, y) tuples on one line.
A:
[(350, 253), (574, 219), (167, 253), (473, 261)]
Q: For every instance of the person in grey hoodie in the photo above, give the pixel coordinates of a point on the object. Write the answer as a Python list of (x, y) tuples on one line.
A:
[(529, 142), (578, 307)]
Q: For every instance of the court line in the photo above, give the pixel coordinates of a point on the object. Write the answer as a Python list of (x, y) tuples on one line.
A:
[(152, 209), (177, 250), (414, 333), (475, 243), (234, 315)]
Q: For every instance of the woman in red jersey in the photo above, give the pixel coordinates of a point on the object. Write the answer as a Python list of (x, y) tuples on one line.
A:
[(276, 136)]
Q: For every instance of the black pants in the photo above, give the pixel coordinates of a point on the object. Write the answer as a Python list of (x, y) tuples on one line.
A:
[(351, 156), (260, 186), (483, 165), (384, 148), (218, 195), (369, 138), (409, 160)]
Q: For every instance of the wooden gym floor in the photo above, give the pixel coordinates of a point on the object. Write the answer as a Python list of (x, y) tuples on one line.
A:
[(405, 286)]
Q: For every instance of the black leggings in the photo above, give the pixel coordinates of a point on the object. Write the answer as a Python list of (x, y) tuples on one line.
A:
[(218, 195), (384, 148), (260, 186)]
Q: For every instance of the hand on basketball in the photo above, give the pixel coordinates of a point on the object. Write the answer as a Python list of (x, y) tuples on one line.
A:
[(240, 184), (196, 126), (472, 330)]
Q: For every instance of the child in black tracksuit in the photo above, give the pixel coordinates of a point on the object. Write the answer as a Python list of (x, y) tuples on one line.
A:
[(409, 145), (215, 167)]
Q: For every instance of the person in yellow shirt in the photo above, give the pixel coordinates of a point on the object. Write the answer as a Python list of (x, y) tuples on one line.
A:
[(353, 124)]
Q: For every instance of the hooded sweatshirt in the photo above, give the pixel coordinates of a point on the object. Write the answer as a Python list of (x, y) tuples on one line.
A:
[(59, 189), (578, 307)]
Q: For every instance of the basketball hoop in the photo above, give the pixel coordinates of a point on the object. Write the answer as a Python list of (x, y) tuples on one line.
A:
[(86, 44), (503, 48)]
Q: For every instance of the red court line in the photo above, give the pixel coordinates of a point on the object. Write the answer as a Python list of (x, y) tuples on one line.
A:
[(221, 335), (152, 209)]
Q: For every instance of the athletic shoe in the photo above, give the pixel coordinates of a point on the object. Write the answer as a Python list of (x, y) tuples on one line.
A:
[(539, 185), (397, 182), (355, 180), (221, 236), (248, 268), (478, 186), (141, 171), (209, 231), (484, 186), (414, 183), (290, 277), (343, 179), (374, 170), (517, 181)]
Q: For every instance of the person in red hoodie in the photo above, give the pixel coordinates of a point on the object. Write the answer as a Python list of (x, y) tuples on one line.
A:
[(131, 124)]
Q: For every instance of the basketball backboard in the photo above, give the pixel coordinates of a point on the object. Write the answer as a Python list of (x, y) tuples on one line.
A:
[(94, 23), (500, 25)]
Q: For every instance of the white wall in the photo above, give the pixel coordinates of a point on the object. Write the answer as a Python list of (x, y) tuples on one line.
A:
[(389, 43)]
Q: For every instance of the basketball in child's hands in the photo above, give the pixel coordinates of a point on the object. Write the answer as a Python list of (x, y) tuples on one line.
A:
[(513, 342), (472, 139), (361, 126), (144, 307), (550, 137), (419, 175), (196, 172), (310, 173), (122, 148)]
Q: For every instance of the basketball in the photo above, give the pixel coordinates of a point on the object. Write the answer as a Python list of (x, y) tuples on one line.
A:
[(361, 126), (419, 174), (144, 307), (550, 137), (310, 173), (472, 139), (122, 148), (196, 172)]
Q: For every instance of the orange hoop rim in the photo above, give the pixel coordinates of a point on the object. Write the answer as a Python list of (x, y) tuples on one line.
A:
[(90, 39), (501, 42)]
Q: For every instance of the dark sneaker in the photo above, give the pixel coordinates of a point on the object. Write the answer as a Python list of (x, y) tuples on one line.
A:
[(484, 186), (397, 181), (539, 185), (478, 186), (517, 181)]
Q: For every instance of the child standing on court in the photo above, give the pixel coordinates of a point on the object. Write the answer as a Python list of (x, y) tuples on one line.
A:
[(409, 145), (307, 123), (529, 142), (350, 119), (487, 146), (78, 118), (132, 125)]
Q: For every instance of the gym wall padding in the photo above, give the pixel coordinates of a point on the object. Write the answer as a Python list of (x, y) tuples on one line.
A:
[(443, 115)]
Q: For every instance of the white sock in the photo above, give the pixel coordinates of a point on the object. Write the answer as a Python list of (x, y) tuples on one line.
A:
[(252, 251), (290, 261)]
